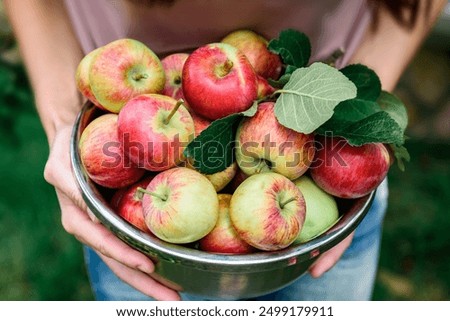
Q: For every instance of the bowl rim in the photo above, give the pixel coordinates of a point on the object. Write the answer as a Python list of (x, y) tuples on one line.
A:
[(179, 254)]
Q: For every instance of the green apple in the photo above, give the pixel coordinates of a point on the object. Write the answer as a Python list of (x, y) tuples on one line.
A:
[(321, 210)]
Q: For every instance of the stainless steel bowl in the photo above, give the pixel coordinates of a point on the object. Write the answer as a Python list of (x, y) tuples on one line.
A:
[(212, 275)]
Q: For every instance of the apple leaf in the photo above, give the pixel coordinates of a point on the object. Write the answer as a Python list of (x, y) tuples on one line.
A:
[(212, 150), (361, 122), (401, 154), (376, 128), (293, 47), (366, 81), (283, 80), (394, 107), (309, 98)]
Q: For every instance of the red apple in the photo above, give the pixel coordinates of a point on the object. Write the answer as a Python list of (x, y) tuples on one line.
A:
[(264, 145), (117, 196), (264, 88), (349, 171), (102, 154), (129, 207), (218, 80), (173, 68), (180, 206), (124, 69), (223, 238), (154, 130), (268, 211), (266, 63), (200, 123)]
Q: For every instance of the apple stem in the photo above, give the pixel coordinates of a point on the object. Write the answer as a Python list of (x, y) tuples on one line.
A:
[(174, 110), (144, 191), (224, 69), (140, 76), (282, 205)]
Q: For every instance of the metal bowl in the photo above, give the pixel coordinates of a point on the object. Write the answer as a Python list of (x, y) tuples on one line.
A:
[(214, 276)]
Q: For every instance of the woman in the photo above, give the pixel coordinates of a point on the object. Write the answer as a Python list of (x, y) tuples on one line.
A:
[(54, 35)]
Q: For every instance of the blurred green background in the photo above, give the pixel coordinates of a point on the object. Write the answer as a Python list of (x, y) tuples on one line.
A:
[(40, 261)]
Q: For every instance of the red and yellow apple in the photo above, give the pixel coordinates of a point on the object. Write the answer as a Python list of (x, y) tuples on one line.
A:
[(173, 69), (264, 145), (154, 130), (103, 157), (223, 238), (82, 77), (268, 210), (180, 206), (129, 205), (124, 69), (254, 47)]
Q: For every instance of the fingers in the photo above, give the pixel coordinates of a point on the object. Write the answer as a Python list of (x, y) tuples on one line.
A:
[(327, 260), (141, 281), (57, 170), (97, 236)]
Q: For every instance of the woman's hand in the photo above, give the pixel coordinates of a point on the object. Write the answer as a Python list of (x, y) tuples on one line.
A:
[(328, 259), (128, 264)]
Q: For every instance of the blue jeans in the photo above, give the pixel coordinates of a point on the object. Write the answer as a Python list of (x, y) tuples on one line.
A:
[(352, 278)]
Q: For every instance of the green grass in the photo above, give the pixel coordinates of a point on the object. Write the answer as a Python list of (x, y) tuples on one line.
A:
[(414, 260), (40, 261)]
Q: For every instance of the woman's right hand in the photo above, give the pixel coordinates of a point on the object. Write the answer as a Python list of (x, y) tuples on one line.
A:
[(128, 264)]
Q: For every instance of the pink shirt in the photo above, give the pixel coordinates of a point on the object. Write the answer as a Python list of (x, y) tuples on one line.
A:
[(187, 24)]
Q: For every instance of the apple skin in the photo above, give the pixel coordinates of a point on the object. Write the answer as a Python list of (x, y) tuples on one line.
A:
[(147, 140), (228, 82), (173, 69), (254, 47), (321, 210), (224, 238), (222, 178), (129, 206), (82, 77), (264, 88), (259, 215), (102, 154), (263, 145), (190, 208), (347, 171), (200, 123), (124, 69)]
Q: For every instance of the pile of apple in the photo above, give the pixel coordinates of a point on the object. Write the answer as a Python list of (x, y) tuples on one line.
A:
[(281, 188)]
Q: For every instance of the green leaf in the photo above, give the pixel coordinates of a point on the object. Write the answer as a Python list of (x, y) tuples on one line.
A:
[(394, 107), (366, 81), (361, 122), (283, 80), (212, 150), (309, 98), (293, 47), (401, 154)]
